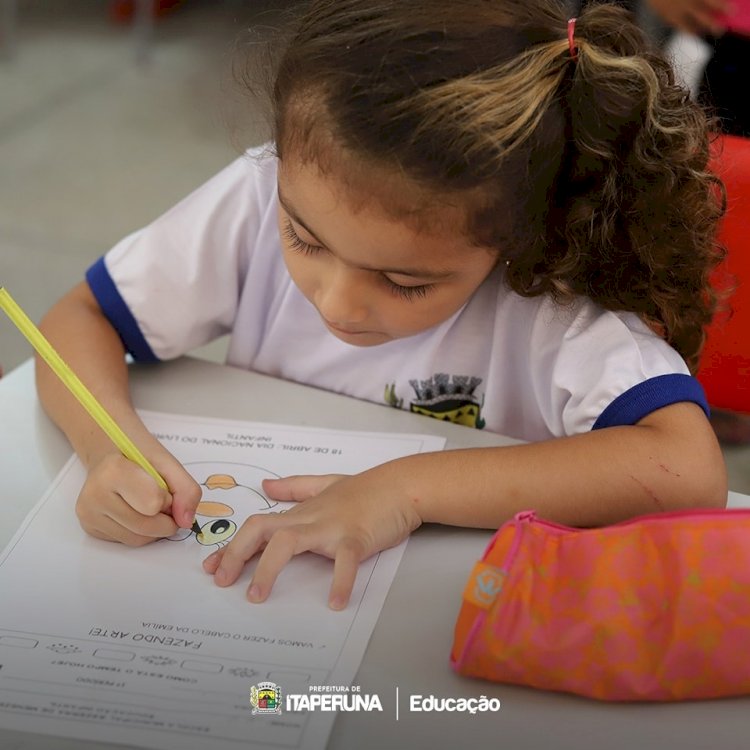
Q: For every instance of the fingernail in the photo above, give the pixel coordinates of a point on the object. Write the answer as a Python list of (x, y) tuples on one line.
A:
[(336, 603), (253, 593)]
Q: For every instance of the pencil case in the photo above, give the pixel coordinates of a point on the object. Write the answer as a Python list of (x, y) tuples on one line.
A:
[(656, 608)]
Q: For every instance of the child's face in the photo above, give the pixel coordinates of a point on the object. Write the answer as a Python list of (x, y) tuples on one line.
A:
[(373, 278)]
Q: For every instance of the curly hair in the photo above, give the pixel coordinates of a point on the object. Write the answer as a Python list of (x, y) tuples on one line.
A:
[(588, 174)]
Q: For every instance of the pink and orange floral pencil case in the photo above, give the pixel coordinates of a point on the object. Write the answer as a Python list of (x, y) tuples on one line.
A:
[(654, 609)]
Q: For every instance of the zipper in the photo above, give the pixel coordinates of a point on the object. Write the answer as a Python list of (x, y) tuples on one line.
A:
[(530, 516)]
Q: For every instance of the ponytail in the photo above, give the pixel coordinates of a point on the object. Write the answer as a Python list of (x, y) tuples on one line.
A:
[(587, 173), (637, 208)]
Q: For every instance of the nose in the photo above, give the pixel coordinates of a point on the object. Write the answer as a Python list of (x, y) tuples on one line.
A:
[(342, 296)]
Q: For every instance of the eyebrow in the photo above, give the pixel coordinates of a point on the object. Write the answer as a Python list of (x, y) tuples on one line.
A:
[(416, 272), (285, 205)]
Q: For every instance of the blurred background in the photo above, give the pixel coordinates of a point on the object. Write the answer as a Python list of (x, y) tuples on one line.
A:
[(108, 118), (113, 110)]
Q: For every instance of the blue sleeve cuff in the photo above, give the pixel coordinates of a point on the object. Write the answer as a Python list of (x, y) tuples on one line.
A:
[(118, 313), (644, 398)]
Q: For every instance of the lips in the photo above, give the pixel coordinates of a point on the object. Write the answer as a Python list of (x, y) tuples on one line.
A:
[(345, 331)]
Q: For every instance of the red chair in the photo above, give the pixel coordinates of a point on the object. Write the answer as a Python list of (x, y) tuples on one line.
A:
[(725, 363)]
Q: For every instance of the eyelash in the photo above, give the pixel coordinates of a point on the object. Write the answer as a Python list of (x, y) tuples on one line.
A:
[(404, 292), (408, 293), (297, 243)]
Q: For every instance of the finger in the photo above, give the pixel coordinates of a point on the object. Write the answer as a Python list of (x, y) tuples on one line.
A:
[(250, 538), (299, 487), (107, 513), (110, 531), (154, 527), (186, 494), (211, 563), (345, 569), (98, 534), (281, 548), (134, 485)]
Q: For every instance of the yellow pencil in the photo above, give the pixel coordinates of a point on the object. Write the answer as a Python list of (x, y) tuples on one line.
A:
[(75, 386)]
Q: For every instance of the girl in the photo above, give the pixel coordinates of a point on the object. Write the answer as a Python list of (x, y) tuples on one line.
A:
[(493, 214)]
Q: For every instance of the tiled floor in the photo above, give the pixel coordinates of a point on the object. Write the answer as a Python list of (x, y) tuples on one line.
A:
[(94, 144)]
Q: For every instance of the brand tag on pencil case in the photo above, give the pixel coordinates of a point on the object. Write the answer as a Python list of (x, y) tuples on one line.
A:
[(484, 584)]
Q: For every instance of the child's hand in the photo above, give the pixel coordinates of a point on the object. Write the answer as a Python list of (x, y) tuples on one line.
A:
[(120, 502), (345, 518)]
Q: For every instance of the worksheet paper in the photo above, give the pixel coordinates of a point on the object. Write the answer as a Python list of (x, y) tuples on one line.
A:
[(103, 642)]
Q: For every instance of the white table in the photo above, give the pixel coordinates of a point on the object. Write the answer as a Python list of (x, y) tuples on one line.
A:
[(410, 646)]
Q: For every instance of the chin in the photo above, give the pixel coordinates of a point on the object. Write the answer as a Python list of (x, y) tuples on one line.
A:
[(363, 339)]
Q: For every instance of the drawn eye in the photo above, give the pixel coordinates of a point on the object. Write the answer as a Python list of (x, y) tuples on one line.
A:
[(215, 532)]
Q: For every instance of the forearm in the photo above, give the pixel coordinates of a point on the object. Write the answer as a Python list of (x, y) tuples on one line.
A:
[(86, 341), (666, 462)]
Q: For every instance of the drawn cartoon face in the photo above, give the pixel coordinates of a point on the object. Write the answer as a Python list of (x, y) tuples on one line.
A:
[(219, 530), (216, 532), (214, 525)]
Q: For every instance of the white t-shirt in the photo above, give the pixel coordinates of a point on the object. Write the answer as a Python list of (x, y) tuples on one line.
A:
[(524, 367)]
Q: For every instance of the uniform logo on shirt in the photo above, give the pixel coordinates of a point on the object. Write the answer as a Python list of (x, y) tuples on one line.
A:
[(447, 397)]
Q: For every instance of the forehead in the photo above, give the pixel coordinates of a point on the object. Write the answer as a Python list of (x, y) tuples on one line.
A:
[(359, 230), (374, 191)]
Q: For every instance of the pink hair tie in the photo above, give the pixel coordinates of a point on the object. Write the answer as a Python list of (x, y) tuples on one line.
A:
[(571, 40)]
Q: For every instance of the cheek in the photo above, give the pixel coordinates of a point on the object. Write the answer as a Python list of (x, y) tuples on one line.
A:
[(412, 317), (301, 271), (440, 305)]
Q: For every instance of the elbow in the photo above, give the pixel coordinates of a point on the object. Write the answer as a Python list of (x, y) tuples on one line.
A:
[(714, 480), (707, 483), (689, 484), (716, 494), (690, 460), (716, 499)]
